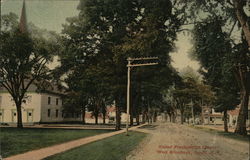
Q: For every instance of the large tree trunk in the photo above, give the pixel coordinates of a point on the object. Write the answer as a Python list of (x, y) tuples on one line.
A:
[(96, 118), (19, 115), (104, 114), (104, 118), (155, 116), (165, 117), (243, 78), (118, 118), (83, 115), (131, 112), (225, 121), (147, 117), (170, 117), (182, 115), (173, 117), (242, 18), (137, 119), (131, 119), (144, 116), (241, 122)]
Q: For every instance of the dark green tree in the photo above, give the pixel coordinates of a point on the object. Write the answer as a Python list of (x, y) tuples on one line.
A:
[(23, 59), (108, 32), (235, 17), (217, 63)]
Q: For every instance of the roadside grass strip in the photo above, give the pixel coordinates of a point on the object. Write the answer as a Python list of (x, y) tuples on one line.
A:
[(15, 141), (224, 134), (113, 148)]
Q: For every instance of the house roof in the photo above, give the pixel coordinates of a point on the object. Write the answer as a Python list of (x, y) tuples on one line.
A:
[(40, 87), (89, 115), (111, 109)]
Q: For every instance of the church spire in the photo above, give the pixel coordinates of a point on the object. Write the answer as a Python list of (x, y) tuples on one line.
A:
[(23, 19)]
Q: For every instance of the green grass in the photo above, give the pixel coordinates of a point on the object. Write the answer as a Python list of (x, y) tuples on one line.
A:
[(224, 134), (112, 148), (15, 141)]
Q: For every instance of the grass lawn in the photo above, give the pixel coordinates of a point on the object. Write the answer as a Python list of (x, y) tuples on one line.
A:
[(114, 148), (225, 134), (14, 141)]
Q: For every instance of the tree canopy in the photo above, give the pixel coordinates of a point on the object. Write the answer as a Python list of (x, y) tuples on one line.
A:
[(24, 58)]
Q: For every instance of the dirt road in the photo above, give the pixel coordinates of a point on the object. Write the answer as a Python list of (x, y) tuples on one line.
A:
[(178, 142)]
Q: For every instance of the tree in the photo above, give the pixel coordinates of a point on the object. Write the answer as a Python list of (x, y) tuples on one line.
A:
[(233, 13), (152, 34), (108, 32), (191, 90), (217, 64), (23, 59), (75, 102)]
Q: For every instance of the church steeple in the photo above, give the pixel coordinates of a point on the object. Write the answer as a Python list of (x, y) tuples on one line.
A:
[(23, 20)]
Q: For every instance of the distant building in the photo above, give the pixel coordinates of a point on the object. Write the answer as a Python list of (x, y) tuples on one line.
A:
[(212, 117), (111, 112), (233, 117)]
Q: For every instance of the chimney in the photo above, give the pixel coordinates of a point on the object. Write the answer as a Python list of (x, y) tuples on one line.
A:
[(23, 19)]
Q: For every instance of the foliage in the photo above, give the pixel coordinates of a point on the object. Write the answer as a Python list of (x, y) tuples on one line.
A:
[(218, 58), (106, 33), (216, 61), (191, 91), (230, 19), (23, 59)]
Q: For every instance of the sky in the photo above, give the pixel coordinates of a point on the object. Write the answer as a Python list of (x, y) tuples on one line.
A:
[(51, 14)]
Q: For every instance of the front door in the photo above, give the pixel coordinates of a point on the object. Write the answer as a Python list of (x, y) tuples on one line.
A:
[(14, 116), (30, 116)]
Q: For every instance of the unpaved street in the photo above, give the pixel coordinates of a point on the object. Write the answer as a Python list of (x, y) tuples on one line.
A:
[(178, 142)]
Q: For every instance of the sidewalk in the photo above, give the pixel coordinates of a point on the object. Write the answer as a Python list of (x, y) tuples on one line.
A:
[(52, 150)]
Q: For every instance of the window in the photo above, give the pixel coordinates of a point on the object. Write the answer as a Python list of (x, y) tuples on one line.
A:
[(49, 100), (30, 98), (56, 113), (48, 112), (0, 100), (57, 100), (30, 114), (15, 114)]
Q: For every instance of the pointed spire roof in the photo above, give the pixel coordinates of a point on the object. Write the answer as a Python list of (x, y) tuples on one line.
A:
[(23, 20)]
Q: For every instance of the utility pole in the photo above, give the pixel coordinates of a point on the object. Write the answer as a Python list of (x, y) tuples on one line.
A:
[(130, 65)]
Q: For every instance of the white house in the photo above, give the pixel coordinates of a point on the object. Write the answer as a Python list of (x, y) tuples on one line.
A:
[(37, 107), (212, 117), (46, 107)]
